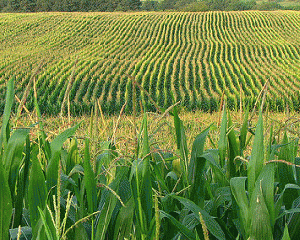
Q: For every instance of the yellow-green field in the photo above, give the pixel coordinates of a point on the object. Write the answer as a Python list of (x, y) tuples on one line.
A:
[(161, 127), (149, 177), (189, 57)]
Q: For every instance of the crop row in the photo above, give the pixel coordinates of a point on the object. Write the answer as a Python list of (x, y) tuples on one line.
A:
[(189, 57)]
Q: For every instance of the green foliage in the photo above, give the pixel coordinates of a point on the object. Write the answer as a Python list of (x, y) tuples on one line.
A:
[(5, 204), (191, 58), (149, 5), (145, 194), (268, 6), (68, 5)]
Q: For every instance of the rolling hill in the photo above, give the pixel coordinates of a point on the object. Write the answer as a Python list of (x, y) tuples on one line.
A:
[(194, 58)]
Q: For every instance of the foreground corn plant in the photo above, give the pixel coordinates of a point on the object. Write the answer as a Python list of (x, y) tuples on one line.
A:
[(49, 192)]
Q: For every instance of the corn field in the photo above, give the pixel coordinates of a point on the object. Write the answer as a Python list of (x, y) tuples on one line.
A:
[(194, 58), (55, 189)]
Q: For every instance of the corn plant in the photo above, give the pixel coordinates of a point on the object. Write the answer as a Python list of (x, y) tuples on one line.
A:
[(59, 190), (189, 54)]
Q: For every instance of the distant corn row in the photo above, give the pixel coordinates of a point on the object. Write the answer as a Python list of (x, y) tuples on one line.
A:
[(193, 58)]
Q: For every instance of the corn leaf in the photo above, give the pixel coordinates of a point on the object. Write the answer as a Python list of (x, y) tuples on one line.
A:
[(197, 151), (145, 176), (271, 152), (37, 194), (124, 220), (285, 172), (266, 181), (286, 235), (13, 156), (233, 150), (9, 100), (297, 162), (257, 155), (182, 228), (222, 144), (279, 202), (211, 224), (211, 156), (5, 205), (72, 158), (181, 145), (243, 133), (105, 216), (46, 226), (144, 153), (21, 185), (56, 146), (238, 189), (177, 125), (26, 233), (89, 180), (196, 169), (260, 227), (107, 204)]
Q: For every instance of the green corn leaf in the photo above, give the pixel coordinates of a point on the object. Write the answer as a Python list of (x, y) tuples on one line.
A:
[(58, 142), (266, 181), (81, 229), (124, 220), (197, 151), (198, 187), (290, 211), (26, 233), (5, 205), (285, 171), (56, 146), (13, 156), (21, 185), (145, 151), (181, 145), (9, 100), (182, 228), (286, 235), (145, 176), (294, 222), (160, 176), (105, 216), (297, 162), (257, 155), (211, 156), (196, 169), (76, 169), (184, 154), (13, 152), (279, 202), (89, 180), (243, 133), (108, 203), (37, 194), (72, 158), (108, 154), (136, 184), (271, 152), (260, 227), (238, 189), (177, 124), (211, 224), (222, 144), (293, 219), (46, 225), (233, 150)]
